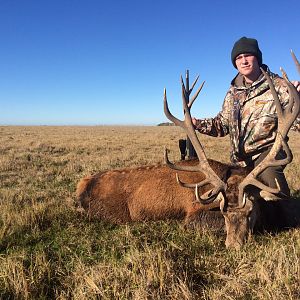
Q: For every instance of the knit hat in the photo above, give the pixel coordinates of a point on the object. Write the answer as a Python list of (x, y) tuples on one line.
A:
[(246, 45)]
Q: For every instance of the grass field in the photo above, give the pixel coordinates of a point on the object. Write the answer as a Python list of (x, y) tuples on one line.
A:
[(48, 250)]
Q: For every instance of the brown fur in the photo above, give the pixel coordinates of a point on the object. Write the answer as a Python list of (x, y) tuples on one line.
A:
[(144, 193)]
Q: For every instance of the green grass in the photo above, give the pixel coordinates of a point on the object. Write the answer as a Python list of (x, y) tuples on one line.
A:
[(49, 250)]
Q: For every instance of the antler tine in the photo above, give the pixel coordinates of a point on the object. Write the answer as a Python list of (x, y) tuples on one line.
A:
[(177, 122), (290, 105), (286, 118), (196, 95), (295, 61), (194, 83), (293, 108), (178, 167), (180, 123), (192, 185), (168, 113), (187, 125), (274, 94)]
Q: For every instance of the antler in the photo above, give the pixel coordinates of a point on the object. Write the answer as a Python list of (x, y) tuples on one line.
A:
[(187, 125), (286, 118), (296, 61)]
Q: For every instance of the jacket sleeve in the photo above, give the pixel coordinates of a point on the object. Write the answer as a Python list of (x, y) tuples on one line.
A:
[(282, 91), (217, 126)]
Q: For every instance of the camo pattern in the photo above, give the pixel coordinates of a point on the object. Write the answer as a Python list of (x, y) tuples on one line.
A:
[(249, 116), (296, 125)]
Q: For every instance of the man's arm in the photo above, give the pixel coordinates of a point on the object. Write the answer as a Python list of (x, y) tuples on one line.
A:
[(219, 125), (211, 126)]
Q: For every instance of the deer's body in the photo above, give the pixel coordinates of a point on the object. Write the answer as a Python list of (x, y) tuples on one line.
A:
[(144, 193), (152, 193)]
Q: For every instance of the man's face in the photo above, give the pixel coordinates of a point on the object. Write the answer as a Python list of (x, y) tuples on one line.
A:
[(247, 64)]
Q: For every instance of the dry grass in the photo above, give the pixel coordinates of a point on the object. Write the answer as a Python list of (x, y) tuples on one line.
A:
[(48, 250)]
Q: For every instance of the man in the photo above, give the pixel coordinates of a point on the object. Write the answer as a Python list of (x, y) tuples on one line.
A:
[(249, 115)]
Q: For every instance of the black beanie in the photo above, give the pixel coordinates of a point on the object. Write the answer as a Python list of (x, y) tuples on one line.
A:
[(246, 45)]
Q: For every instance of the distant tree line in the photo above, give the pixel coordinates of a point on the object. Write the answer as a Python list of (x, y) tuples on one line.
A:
[(166, 124)]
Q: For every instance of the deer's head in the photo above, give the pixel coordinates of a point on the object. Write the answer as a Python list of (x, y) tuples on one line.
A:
[(237, 201)]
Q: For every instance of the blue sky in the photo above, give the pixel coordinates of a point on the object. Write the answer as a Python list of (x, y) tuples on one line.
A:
[(107, 62)]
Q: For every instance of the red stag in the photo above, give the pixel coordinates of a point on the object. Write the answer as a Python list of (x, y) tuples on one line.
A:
[(151, 193)]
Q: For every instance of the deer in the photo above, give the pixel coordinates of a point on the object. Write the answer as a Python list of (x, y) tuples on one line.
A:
[(207, 192)]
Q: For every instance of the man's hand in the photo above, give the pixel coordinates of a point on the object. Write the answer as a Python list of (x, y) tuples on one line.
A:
[(296, 84)]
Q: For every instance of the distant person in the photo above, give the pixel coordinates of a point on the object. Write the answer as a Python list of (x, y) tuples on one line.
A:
[(249, 115)]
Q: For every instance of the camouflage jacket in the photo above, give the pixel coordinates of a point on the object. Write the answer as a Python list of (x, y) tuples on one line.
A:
[(249, 116)]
